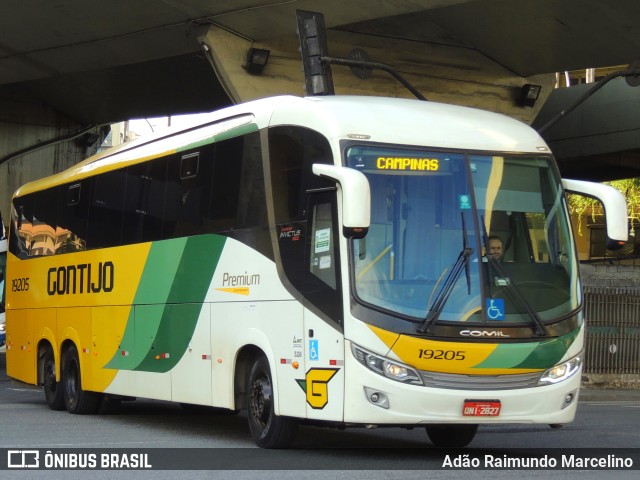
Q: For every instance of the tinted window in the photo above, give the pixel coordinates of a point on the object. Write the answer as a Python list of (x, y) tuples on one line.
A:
[(45, 221), (307, 241), (217, 188), (144, 201), (21, 226), (105, 211), (188, 191), (73, 214)]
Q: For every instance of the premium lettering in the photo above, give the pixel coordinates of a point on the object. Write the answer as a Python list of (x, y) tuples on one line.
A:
[(240, 280), (81, 278)]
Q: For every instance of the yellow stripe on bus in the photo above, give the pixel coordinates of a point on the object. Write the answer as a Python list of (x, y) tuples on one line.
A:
[(447, 357)]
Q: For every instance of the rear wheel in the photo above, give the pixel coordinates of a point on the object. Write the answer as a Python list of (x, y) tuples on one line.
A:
[(77, 400), (268, 430), (451, 436), (53, 391)]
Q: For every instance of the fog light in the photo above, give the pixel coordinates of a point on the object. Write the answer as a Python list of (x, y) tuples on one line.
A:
[(568, 399), (379, 399)]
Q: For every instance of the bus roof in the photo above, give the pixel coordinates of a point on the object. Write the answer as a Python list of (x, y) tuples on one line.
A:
[(375, 119)]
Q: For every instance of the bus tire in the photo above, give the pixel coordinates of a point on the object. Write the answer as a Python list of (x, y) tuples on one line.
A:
[(268, 430), (53, 391), (77, 400), (451, 436)]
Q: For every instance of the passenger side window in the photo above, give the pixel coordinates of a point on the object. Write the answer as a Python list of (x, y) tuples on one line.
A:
[(45, 221), (73, 216), (21, 229), (143, 213), (106, 210), (188, 193)]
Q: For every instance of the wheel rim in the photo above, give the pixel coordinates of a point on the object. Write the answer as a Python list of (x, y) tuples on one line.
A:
[(260, 400)]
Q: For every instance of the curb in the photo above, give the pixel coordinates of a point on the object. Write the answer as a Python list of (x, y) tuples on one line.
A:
[(590, 394)]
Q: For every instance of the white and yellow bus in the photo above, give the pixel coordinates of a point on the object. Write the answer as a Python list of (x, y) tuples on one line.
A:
[(309, 259)]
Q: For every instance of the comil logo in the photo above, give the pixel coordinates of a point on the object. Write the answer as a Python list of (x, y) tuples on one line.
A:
[(23, 459), (484, 333)]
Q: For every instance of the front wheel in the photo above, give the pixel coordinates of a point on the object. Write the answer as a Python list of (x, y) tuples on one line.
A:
[(53, 391), (451, 436), (268, 430), (77, 400)]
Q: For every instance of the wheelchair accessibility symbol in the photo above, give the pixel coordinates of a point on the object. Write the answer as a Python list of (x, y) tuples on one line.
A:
[(313, 350), (495, 308)]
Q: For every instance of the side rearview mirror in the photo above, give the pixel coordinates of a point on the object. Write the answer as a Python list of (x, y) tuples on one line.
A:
[(615, 208), (356, 198)]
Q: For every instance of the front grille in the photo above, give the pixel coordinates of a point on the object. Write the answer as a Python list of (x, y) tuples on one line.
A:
[(480, 382)]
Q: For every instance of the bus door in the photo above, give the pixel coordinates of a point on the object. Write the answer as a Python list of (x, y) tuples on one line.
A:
[(323, 315)]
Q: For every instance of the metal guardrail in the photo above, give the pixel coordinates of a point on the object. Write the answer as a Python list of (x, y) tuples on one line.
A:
[(612, 316)]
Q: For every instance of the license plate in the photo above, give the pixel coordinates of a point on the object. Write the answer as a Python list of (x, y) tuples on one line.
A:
[(481, 408)]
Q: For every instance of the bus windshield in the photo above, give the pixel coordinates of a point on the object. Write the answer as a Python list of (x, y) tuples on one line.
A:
[(460, 237)]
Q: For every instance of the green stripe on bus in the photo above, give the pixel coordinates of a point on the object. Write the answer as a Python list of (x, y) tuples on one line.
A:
[(548, 353), (152, 293), (231, 133), (159, 272), (180, 315), (537, 355), (508, 355), (174, 284), (176, 272)]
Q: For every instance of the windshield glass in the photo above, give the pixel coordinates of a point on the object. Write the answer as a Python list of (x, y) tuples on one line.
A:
[(435, 219)]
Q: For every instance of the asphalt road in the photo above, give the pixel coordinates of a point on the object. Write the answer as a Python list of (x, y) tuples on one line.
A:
[(605, 420)]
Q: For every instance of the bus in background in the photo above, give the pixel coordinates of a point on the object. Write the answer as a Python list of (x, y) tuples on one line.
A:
[(3, 268), (315, 259)]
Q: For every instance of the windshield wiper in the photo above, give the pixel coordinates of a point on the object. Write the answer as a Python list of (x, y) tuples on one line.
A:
[(447, 287), (465, 246), (539, 327)]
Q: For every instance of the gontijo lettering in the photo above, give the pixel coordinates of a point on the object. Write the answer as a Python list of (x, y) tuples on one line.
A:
[(81, 278), (407, 163)]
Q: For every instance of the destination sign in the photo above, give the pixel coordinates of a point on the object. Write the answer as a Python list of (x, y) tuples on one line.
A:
[(408, 163), (401, 160)]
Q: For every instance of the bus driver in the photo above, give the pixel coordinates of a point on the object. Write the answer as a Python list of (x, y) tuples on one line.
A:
[(495, 249)]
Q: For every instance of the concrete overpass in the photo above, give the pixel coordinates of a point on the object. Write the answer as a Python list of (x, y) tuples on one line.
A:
[(70, 66), (600, 139)]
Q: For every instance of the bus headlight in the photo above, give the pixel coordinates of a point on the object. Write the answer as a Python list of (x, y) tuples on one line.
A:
[(561, 372), (385, 367)]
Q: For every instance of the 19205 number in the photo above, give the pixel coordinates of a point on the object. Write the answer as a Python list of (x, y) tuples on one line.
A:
[(429, 354), (20, 284)]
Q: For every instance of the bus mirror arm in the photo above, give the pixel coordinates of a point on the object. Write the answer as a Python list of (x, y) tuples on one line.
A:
[(615, 208), (356, 197)]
